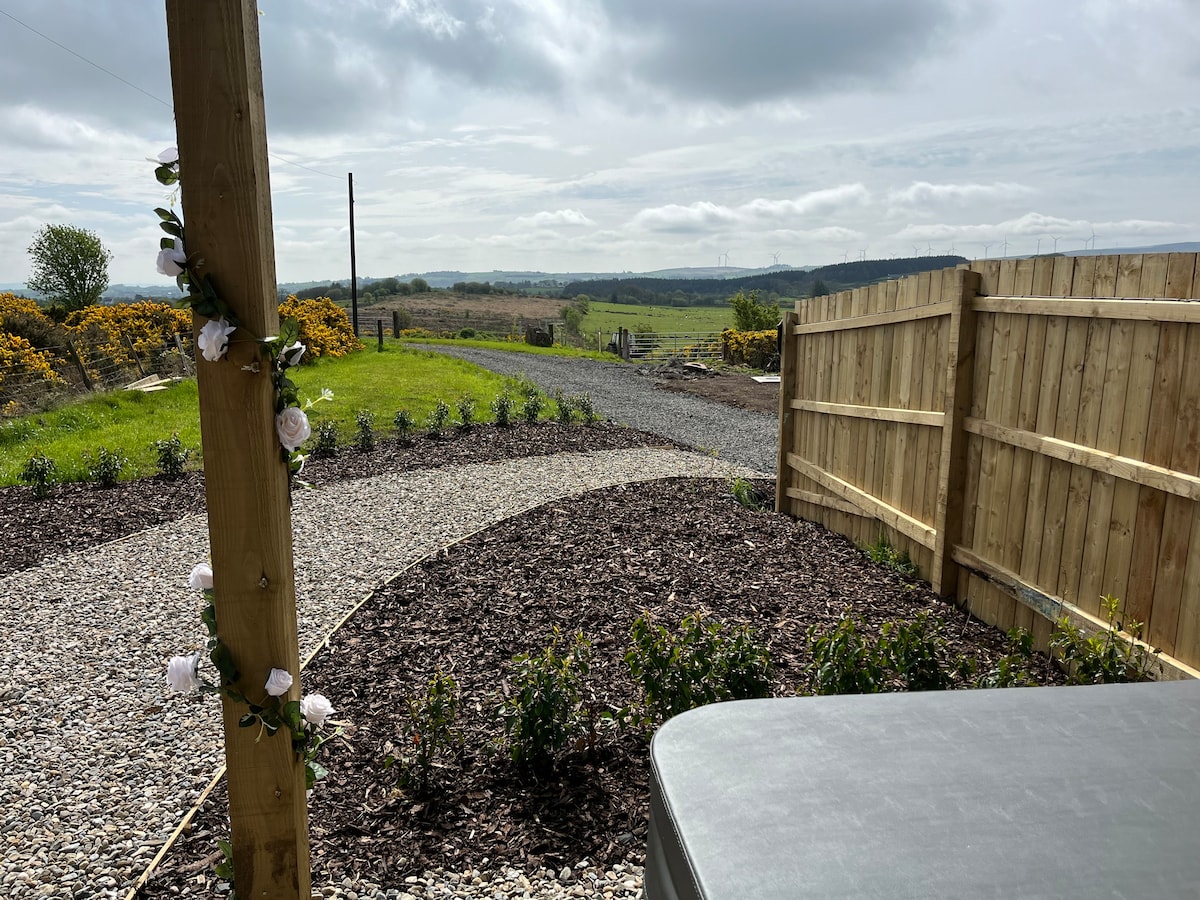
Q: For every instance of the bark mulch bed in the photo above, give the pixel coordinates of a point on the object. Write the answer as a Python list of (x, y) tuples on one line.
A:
[(730, 388), (592, 563)]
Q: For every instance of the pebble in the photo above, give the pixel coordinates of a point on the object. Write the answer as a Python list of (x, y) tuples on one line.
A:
[(99, 763)]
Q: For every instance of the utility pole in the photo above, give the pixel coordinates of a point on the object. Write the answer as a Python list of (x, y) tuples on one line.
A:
[(353, 268)]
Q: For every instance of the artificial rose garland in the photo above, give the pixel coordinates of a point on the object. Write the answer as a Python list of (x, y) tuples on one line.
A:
[(201, 578), (214, 338), (278, 682), (315, 708), (291, 424), (183, 673)]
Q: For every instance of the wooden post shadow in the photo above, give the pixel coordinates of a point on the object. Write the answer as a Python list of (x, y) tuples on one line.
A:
[(217, 85)]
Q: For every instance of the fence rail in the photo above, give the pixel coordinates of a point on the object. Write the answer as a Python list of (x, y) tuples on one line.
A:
[(1029, 430), (675, 344)]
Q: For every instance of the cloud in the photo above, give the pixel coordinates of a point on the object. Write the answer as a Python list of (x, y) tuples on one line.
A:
[(922, 193), (559, 217), (1039, 225), (708, 216)]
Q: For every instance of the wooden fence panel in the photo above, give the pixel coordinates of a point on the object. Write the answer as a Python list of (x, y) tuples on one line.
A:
[(1060, 433)]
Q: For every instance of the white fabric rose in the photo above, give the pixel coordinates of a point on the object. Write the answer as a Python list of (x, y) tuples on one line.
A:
[(278, 682), (214, 338), (292, 353), (292, 427), (171, 260), (315, 708), (201, 578), (182, 673), (168, 156)]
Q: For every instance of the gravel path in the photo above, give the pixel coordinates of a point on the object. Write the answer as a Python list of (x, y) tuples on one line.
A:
[(621, 394), (100, 764)]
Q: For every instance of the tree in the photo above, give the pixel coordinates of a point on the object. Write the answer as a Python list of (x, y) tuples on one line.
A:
[(70, 266), (419, 286), (751, 314)]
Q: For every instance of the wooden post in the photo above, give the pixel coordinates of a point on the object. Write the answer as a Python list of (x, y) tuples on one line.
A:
[(788, 368), (217, 82), (379, 333), (182, 354), (136, 359), (395, 323), (87, 381), (952, 472)]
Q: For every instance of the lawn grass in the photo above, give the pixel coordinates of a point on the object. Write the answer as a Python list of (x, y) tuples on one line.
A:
[(609, 317), (129, 422)]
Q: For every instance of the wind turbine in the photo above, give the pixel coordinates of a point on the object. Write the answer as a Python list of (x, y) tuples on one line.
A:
[(774, 259), (986, 248), (916, 250), (1056, 240), (862, 255), (1093, 238), (845, 256), (727, 259), (929, 249), (1006, 245), (1038, 252)]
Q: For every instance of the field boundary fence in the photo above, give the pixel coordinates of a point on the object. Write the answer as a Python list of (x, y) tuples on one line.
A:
[(1027, 430), (697, 345)]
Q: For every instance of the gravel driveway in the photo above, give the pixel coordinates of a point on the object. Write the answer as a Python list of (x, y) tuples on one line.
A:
[(621, 394)]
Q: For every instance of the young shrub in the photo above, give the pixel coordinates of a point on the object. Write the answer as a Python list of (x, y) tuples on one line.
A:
[(746, 494), (915, 652), (543, 713), (1105, 657), (364, 431), (172, 456), (502, 409), (531, 408), (466, 412), (705, 662), (587, 410), (325, 443), (40, 473), (1014, 668), (107, 467), (405, 426), (439, 418), (564, 409), (432, 738), (844, 661), (883, 553)]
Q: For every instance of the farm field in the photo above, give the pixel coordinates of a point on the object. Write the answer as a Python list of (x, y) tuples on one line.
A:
[(608, 317)]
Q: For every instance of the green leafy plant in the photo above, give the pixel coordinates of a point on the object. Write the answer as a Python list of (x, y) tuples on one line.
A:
[(172, 456), (466, 412), (1104, 657), (704, 662), (916, 653), (1014, 669), (224, 868), (325, 443), (587, 410), (844, 660), (106, 468), (543, 713), (531, 407), (751, 314), (564, 409), (438, 419), (405, 426), (503, 408), (364, 431), (883, 553), (745, 493), (41, 473), (431, 737)]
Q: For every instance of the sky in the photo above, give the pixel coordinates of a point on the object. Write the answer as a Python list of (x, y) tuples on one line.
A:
[(630, 135)]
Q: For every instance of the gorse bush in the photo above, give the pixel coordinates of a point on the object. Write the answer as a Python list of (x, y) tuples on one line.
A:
[(405, 426), (438, 419), (106, 467), (544, 713), (756, 349), (705, 662), (41, 474), (364, 430), (1104, 657), (502, 409), (172, 456), (325, 440), (325, 327), (431, 739)]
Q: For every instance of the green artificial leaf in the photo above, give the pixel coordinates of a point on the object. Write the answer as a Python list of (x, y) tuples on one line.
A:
[(166, 215), (223, 660), (172, 229), (247, 720), (166, 244), (290, 713), (271, 729), (166, 175), (289, 331)]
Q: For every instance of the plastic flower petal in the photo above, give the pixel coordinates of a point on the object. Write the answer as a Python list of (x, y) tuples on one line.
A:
[(171, 260), (214, 338), (201, 578), (169, 156), (278, 682), (315, 708), (292, 353), (182, 673), (292, 427)]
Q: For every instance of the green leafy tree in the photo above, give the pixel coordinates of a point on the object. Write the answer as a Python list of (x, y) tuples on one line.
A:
[(70, 266), (751, 314), (419, 286)]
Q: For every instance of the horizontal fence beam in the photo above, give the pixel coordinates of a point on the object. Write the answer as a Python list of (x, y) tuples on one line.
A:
[(1123, 467), (826, 500), (1054, 608), (876, 413), (871, 506), (911, 314), (1164, 310)]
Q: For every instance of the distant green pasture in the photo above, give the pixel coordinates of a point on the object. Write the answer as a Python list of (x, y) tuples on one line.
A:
[(609, 317)]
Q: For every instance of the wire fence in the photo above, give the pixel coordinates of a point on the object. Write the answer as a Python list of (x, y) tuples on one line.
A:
[(31, 379)]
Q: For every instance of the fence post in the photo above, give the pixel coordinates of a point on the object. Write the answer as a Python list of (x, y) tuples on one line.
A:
[(952, 470), (216, 79), (788, 369), (87, 382), (187, 362), (395, 323), (133, 350), (379, 333)]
